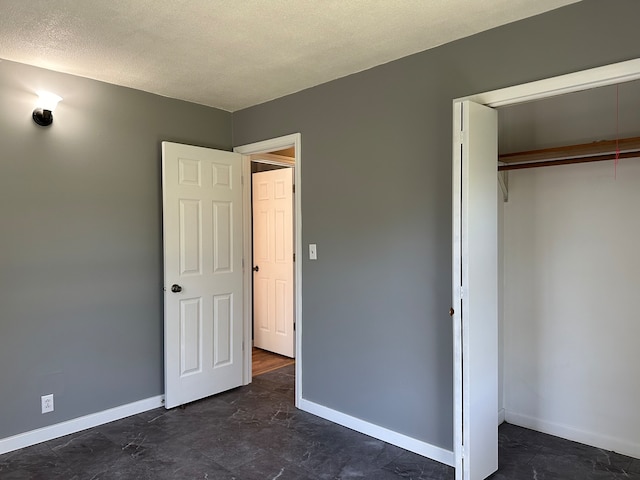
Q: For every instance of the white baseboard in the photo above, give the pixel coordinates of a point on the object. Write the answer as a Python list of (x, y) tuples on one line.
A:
[(594, 439), (43, 434), (501, 416), (417, 446)]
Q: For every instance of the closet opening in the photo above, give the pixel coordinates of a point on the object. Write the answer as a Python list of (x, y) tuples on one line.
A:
[(568, 261), (548, 384)]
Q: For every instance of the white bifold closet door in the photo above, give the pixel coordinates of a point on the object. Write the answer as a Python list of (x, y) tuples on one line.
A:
[(475, 290)]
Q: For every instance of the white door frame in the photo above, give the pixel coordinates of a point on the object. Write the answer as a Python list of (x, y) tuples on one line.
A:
[(280, 143), (550, 87)]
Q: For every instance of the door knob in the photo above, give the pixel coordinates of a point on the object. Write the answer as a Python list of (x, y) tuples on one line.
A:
[(175, 288), (256, 268), (451, 312)]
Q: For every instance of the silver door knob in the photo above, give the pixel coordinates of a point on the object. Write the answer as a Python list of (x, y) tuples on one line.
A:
[(175, 288)]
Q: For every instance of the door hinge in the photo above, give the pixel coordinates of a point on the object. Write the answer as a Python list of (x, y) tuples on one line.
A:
[(293, 187), (294, 326), (243, 345), (460, 291), (294, 257), (241, 179)]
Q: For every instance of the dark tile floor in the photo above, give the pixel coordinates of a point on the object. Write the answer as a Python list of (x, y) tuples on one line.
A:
[(254, 432)]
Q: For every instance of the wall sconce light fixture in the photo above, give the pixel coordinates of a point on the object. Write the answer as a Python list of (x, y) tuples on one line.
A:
[(47, 102)]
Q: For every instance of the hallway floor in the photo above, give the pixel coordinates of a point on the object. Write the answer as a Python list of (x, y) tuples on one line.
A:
[(263, 361), (254, 432)]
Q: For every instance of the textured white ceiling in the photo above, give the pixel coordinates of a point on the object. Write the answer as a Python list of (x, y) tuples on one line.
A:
[(233, 54)]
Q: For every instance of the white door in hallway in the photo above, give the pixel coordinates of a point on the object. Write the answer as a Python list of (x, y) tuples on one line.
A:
[(475, 290), (273, 317), (202, 230)]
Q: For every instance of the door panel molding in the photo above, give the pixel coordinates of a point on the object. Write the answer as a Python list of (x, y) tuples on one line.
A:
[(202, 238)]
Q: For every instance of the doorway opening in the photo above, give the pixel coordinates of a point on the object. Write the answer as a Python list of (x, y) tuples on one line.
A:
[(273, 318), (281, 154)]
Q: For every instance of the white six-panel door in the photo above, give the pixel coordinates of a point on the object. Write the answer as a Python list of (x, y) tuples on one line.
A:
[(273, 261), (475, 290), (202, 227)]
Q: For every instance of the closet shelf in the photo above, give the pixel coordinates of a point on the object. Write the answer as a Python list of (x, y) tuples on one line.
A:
[(565, 155)]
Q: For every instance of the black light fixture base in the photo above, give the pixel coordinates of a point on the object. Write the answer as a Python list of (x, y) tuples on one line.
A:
[(42, 117)]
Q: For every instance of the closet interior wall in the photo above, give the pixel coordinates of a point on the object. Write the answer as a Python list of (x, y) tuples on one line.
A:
[(569, 262)]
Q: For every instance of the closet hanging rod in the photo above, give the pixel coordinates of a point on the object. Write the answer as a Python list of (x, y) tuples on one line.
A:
[(587, 152)]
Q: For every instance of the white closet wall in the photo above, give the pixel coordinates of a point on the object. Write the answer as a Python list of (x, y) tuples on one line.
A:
[(571, 303)]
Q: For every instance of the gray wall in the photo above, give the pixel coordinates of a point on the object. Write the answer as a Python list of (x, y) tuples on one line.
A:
[(376, 183), (80, 242), (582, 117)]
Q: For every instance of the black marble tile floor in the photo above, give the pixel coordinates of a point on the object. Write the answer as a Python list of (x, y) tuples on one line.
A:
[(255, 433)]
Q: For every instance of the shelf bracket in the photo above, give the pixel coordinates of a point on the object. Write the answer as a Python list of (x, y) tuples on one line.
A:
[(503, 180)]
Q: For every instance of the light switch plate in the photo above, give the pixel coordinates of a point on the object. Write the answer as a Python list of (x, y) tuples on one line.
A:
[(313, 252)]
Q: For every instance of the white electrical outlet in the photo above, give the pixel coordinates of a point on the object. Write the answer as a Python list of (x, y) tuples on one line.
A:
[(313, 251), (47, 403)]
